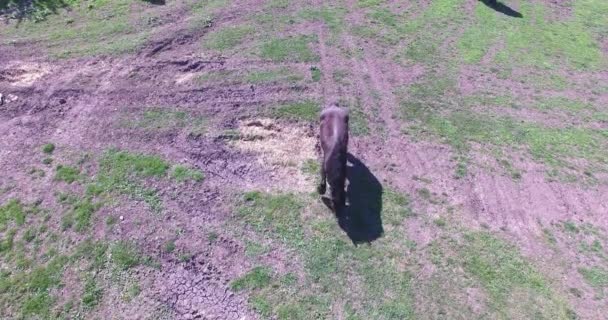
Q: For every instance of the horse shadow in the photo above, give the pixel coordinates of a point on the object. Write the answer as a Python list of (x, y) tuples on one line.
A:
[(361, 219), (502, 8)]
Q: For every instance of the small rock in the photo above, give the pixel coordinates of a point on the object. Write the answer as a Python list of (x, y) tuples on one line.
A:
[(1, 99), (121, 218)]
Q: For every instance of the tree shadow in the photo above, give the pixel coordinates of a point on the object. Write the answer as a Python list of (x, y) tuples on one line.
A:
[(502, 8), (39, 9), (31, 9), (361, 219), (156, 2)]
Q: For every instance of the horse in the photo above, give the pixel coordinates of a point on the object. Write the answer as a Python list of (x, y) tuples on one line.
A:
[(334, 143)]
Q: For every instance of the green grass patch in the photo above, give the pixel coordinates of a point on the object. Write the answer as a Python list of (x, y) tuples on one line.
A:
[(563, 103), (202, 13), (334, 269), (27, 292), (369, 3), (432, 106), (169, 246), (67, 174), (257, 278), (315, 74), (333, 18), (253, 249), (81, 214), (292, 49), (125, 255), (94, 252), (595, 276), (273, 76), (92, 294), (358, 123), (164, 119), (48, 148), (535, 39), (87, 28), (506, 275), (132, 292), (181, 174), (227, 38), (276, 75), (124, 172), (12, 211), (306, 110)]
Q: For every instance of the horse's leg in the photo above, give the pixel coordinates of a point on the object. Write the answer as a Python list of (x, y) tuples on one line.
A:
[(323, 183)]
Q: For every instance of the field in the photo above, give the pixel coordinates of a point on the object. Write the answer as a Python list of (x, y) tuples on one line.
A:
[(159, 159)]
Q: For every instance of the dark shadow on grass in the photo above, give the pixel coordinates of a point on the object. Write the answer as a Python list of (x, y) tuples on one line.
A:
[(361, 219), (37, 10), (502, 8), (156, 2)]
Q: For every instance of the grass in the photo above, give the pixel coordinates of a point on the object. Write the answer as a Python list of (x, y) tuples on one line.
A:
[(12, 211), (311, 167), (358, 119), (563, 104), (272, 75), (556, 147), (253, 249), (125, 255), (290, 49), (227, 38), (92, 294), (66, 174), (29, 290), (39, 10), (535, 39), (124, 172), (257, 278), (36, 258), (503, 272), (369, 277), (315, 74), (333, 268), (279, 75), (306, 110), (570, 226), (132, 292), (181, 174), (165, 119), (333, 18), (48, 148), (169, 246), (596, 277), (86, 29), (80, 212)]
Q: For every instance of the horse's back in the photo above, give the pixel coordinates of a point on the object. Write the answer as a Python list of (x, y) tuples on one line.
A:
[(334, 126)]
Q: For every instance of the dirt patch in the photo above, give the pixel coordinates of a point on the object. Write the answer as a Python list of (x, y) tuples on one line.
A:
[(282, 147)]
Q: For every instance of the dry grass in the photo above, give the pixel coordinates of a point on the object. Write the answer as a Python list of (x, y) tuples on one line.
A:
[(24, 74), (283, 148)]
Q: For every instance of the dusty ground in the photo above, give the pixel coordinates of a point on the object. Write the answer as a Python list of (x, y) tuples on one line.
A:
[(479, 160)]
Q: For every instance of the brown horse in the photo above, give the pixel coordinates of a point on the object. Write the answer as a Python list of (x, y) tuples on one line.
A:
[(334, 142)]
